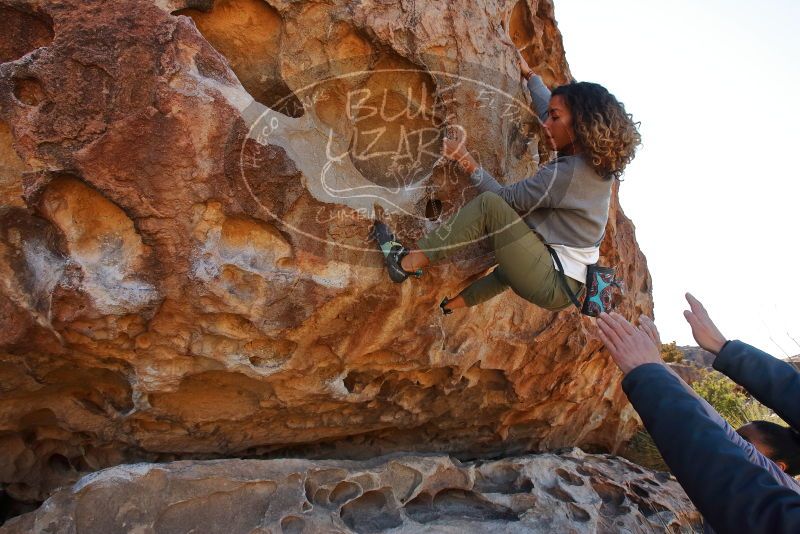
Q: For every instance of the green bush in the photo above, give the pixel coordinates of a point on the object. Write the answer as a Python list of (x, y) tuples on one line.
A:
[(642, 450), (670, 353), (730, 401), (723, 394)]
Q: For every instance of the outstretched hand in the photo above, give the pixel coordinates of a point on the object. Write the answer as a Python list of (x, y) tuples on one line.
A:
[(630, 347), (647, 326), (705, 332)]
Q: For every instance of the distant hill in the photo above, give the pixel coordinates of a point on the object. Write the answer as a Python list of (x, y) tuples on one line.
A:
[(702, 358), (690, 373), (696, 355)]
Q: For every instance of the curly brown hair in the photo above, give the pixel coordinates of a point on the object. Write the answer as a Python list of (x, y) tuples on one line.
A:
[(605, 131)]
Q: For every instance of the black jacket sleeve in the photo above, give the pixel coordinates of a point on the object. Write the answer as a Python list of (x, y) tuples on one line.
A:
[(731, 493), (775, 383)]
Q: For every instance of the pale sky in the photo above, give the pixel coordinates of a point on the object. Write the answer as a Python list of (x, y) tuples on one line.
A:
[(714, 190)]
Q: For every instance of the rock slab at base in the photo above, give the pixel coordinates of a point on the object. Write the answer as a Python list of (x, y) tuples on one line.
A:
[(568, 492)]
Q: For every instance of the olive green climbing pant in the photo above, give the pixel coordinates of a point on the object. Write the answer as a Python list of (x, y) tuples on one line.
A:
[(524, 262)]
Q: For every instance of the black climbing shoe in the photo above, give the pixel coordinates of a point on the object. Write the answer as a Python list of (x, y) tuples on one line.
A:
[(442, 305), (393, 252)]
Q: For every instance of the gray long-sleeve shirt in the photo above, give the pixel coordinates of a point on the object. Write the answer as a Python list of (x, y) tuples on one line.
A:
[(566, 201)]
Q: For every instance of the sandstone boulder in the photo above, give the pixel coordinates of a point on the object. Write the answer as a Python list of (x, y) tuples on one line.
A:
[(186, 192), (568, 492)]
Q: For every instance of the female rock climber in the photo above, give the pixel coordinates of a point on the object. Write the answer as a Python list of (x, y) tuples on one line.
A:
[(564, 205)]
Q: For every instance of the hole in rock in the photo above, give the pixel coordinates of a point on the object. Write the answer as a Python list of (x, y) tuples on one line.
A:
[(321, 497), (355, 382), (455, 503), (578, 514), (560, 494), (661, 476), (635, 469), (317, 484), (343, 492), (522, 33), (59, 464), (28, 91), (612, 496), (648, 507), (292, 524), (404, 480), (329, 100), (248, 33), (396, 137), (11, 507), (22, 32), (371, 513), (588, 471), (502, 479), (569, 478), (433, 209), (525, 485)]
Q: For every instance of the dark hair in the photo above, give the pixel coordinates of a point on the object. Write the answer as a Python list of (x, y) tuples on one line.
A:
[(605, 131), (783, 442)]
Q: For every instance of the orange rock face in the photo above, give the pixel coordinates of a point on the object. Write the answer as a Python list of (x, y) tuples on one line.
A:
[(187, 189)]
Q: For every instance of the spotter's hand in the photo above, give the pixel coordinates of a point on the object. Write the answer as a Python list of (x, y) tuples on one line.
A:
[(630, 347)]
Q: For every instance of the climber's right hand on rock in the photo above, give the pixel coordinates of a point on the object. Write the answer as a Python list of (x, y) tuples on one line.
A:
[(454, 148), (705, 332), (454, 143)]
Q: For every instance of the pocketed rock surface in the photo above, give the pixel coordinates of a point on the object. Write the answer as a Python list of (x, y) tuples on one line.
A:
[(570, 492), (186, 193)]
